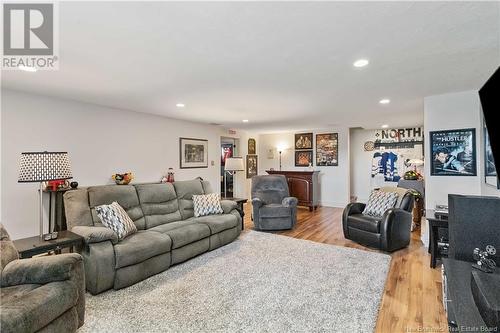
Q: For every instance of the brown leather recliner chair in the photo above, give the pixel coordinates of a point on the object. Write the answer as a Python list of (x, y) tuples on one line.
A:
[(389, 232)]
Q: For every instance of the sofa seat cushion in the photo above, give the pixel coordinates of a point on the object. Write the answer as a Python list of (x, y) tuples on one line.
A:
[(187, 234), (172, 225), (364, 222), (9, 294), (141, 246), (217, 223), (274, 210), (38, 306)]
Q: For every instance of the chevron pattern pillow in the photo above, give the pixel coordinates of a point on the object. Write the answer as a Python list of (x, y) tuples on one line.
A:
[(379, 202), (207, 204), (116, 218)]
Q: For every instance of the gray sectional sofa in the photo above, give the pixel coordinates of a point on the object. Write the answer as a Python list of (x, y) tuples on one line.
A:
[(168, 233)]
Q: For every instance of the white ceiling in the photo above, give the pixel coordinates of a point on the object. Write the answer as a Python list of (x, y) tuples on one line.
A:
[(282, 65)]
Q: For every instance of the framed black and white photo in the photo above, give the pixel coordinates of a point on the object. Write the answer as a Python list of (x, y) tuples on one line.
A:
[(453, 152), (193, 153)]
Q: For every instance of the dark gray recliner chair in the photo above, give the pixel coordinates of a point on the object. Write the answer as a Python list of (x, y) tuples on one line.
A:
[(44, 294), (389, 232), (273, 208)]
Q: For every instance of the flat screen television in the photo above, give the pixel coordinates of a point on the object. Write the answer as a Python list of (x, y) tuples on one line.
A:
[(489, 95)]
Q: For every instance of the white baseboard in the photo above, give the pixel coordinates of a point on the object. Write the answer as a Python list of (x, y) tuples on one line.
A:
[(335, 204)]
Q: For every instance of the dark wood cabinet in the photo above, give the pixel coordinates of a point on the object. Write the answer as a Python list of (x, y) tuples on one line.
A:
[(304, 185)]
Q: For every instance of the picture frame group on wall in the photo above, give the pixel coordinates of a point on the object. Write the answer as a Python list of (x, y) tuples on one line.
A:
[(193, 153), (453, 152), (303, 149), (327, 149)]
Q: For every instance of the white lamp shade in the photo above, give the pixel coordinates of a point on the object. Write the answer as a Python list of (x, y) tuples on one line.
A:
[(416, 162), (44, 166), (234, 164)]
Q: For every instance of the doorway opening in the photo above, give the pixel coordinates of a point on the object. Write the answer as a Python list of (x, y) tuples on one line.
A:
[(229, 148)]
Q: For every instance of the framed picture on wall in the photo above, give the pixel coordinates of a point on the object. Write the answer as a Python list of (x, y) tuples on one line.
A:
[(251, 146), (327, 149), (193, 153), (490, 170), (252, 166), (303, 158), (303, 141), (453, 152)]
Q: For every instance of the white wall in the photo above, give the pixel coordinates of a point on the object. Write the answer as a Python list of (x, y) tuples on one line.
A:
[(100, 141), (334, 180), (361, 163), (454, 111)]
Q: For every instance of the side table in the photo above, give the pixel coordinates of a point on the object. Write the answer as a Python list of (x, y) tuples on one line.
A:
[(435, 224), (32, 246), (240, 202)]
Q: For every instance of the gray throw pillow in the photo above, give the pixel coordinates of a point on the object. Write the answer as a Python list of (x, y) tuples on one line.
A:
[(379, 202), (116, 218), (207, 204)]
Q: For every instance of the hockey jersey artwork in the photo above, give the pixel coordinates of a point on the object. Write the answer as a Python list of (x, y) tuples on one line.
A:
[(394, 150)]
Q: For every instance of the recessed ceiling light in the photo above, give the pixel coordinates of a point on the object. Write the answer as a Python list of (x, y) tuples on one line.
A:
[(361, 63), (385, 101), (385, 126), (27, 68), (180, 105), (245, 120)]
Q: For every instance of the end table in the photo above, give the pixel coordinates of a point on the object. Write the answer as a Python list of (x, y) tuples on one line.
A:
[(32, 246), (435, 225)]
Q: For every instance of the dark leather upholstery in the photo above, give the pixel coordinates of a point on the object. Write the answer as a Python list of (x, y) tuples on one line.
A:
[(389, 233)]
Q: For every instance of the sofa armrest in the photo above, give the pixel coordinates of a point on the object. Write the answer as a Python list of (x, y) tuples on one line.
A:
[(95, 234), (395, 229), (257, 203), (290, 202), (228, 206), (41, 270), (350, 209)]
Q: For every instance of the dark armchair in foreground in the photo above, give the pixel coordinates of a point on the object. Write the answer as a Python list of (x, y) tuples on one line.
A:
[(389, 232), (273, 208), (44, 294)]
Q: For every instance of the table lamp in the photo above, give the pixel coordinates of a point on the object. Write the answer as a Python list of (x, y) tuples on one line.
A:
[(232, 165), (40, 167), (416, 162)]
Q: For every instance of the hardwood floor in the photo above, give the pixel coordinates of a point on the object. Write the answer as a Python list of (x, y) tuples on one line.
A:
[(412, 296)]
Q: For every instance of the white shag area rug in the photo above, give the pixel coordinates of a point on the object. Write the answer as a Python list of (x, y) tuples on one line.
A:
[(259, 283)]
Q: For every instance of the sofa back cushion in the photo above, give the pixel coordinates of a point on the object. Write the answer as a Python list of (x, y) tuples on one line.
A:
[(124, 195), (76, 208), (185, 191), (271, 189), (159, 204), (207, 188)]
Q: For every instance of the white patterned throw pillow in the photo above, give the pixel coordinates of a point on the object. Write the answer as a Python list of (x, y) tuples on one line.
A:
[(379, 202), (116, 218), (207, 204)]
